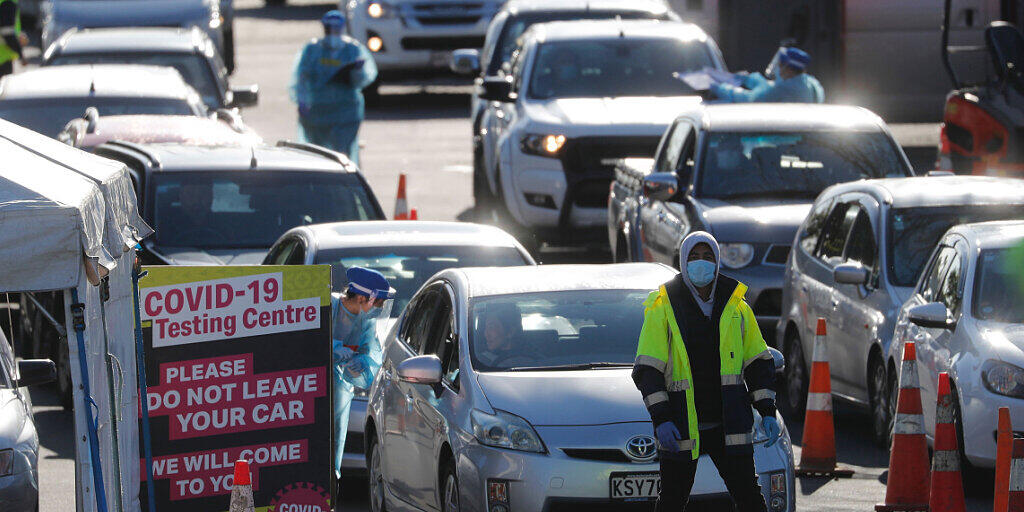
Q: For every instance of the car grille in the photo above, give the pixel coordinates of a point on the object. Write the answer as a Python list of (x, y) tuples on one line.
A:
[(601, 454), (354, 442), (442, 43), (708, 503), (589, 165), (777, 254), (438, 14)]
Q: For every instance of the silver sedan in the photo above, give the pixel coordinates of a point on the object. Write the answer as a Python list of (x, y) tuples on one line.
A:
[(509, 389)]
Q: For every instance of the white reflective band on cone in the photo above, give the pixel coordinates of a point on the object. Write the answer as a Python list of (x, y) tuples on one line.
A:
[(946, 460), (908, 375), (1017, 475), (820, 354), (819, 401), (909, 424), (944, 414)]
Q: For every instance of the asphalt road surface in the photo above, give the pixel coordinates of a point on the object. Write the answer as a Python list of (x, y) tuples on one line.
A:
[(426, 134)]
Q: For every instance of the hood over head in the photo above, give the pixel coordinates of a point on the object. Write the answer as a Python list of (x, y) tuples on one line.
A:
[(691, 241)]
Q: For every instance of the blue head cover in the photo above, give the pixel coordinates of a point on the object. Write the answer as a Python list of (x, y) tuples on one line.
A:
[(368, 283), (334, 19), (795, 58)]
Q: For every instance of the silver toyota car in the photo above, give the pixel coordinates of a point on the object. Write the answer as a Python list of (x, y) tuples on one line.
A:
[(509, 389)]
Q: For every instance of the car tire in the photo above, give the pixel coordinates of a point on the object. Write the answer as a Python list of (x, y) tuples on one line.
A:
[(483, 198), (377, 494), (797, 378), (229, 49), (971, 478), (880, 402), (449, 488)]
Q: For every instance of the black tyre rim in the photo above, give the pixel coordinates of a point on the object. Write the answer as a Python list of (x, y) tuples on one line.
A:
[(376, 482), (451, 493), (880, 403), (795, 375)]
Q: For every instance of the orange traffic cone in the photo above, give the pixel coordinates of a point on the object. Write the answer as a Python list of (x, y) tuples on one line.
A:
[(818, 454), (413, 215), (401, 206), (1015, 498), (1004, 444), (907, 487), (947, 488), (241, 489)]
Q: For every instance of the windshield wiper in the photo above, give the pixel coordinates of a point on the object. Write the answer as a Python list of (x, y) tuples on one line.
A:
[(568, 367)]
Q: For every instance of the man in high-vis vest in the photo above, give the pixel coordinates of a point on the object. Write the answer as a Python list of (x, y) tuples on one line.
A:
[(10, 30), (701, 364)]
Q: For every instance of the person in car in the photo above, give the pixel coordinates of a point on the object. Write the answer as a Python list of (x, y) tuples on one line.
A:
[(499, 329), (693, 389), (789, 83)]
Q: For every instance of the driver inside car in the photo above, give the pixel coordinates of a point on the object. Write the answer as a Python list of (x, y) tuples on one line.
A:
[(196, 200), (499, 329)]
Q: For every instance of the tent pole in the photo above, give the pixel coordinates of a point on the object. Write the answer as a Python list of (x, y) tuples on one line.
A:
[(140, 361), (78, 321), (114, 403)]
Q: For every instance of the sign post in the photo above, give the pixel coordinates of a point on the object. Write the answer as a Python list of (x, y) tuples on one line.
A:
[(237, 366)]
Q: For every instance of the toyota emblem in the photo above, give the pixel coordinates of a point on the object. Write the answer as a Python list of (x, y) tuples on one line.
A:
[(641, 448)]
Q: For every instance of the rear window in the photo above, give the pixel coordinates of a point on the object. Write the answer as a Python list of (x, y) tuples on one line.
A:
[(49, 116)]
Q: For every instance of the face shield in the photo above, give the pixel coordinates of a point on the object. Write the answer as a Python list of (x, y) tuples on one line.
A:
[(382, 306), (773, 67)]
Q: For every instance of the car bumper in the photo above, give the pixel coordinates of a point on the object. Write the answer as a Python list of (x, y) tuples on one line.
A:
[(981, 414), (354, 461), (556, 481), (411, 47), (19, 492)]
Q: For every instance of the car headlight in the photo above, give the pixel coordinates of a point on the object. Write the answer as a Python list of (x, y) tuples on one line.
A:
[(542, 144), (6, 462), (505, 430), (736, 255), (1003, 378), (378, 10)]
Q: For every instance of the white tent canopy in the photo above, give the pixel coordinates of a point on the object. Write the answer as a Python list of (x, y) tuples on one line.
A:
[(58, 205), (66, 218)]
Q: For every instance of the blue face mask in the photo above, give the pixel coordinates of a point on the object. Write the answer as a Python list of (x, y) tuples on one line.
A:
[(700, 272)]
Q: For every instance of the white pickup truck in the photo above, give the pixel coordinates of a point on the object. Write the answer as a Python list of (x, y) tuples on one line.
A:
[(580, 96)]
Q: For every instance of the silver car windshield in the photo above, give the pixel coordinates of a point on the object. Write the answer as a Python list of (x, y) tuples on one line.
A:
[(999, 286), (619, 67), (914, 232), (796, 164), (566, 330), (407, 268)]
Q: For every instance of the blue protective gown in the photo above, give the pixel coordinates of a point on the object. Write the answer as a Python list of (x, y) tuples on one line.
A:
[(802, 88), (329, 111), (358, 331)]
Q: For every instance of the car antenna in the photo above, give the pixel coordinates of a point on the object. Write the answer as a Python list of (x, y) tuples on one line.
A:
[(252, 161), (618, 20)]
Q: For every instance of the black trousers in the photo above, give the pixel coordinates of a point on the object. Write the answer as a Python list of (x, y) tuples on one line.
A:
[(6, 68), (737, 472)]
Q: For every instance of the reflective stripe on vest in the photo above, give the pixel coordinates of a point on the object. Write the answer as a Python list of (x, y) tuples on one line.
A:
[(678, 385), (655, 398), (761, 394), (735, 439)]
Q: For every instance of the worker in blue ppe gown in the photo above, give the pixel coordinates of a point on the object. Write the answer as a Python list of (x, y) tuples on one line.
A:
[(357, 351), (789, 82), (327, 84)]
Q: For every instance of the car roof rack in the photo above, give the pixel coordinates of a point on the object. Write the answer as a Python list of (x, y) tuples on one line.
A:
[(322, 151), (154, 160)]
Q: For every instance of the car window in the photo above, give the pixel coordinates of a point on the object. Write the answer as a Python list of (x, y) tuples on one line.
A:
[(861, 247), (280, 254), (949, 291), (440, 328), (833, 237), (813, 226), (668, 156), (297, 256), (417, 328), (940, 264)]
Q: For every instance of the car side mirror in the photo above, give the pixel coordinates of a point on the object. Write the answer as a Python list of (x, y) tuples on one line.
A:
[(660, 186), (850, 273), (934, 315), (497, 88), (32, 372), (420, 370), (245, 96), (778, 359), (465, 61)]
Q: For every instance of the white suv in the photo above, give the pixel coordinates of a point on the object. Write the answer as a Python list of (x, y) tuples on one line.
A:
[(579, 96), (413, 38)]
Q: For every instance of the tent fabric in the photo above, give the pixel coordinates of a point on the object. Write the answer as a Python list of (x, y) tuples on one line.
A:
[(51, 194)]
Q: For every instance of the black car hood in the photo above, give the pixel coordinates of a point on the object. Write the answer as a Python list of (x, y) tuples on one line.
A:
[(753, 220), (198, 256)]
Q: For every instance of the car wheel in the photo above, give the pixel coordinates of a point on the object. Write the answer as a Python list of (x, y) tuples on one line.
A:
[(894, 398), (229, 50), (64, 385), (375, 480), (482, 196), (450, 489), (881, 409), (796, 378), (971, 478)]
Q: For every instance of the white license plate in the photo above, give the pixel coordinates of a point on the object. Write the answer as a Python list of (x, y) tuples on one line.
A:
[(439, 59), (634, 486)]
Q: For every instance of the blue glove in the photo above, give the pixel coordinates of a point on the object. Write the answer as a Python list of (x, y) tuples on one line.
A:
[(754, 80), (722, 91), (667, 434), (771, 429), (355, 367)]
